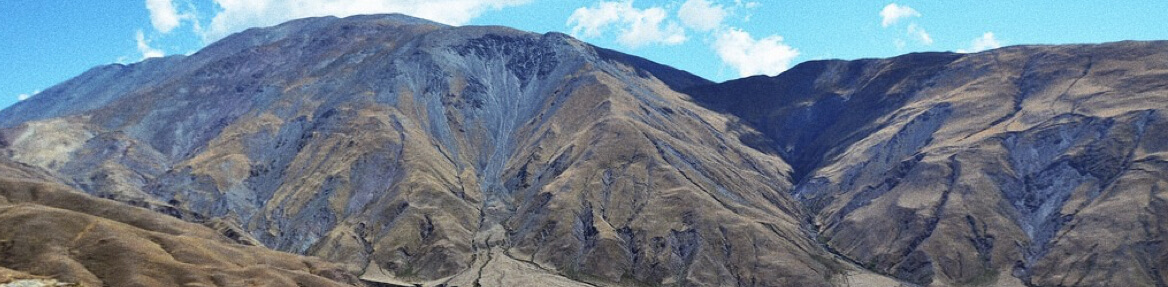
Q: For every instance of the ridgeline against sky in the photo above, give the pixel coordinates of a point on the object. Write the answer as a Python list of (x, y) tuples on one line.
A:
[(46, 42)]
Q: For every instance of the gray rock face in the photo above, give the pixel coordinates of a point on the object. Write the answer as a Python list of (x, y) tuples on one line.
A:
[(1038, 162)]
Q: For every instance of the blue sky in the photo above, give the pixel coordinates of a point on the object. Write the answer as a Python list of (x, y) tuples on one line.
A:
[(48, 41)]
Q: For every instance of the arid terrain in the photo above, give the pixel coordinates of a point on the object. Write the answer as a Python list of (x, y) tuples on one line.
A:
[(386, 149)]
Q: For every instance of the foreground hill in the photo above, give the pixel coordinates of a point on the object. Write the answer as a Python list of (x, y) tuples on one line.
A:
[(48, 229)]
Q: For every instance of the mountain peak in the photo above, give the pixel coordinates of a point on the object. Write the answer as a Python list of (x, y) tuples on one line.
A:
[(412, 152), (461, 135)]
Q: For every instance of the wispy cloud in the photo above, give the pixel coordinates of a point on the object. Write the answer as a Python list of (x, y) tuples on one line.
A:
[(750, 56), (747, 4), (899, 43), (892, 13), (144, 47), (985, 42), (702, 15), (920, 34), (635, 27)]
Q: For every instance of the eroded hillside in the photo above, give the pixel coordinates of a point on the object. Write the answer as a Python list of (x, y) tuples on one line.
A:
[(411, 152), (1044, 163), (414, 152)]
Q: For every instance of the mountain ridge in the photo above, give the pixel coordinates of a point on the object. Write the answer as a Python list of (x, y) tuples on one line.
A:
[(415, 152), (903, 151), (452, 125)]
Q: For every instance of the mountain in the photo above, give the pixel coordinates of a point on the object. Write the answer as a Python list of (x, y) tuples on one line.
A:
[(414, 152), (411, 152), (1045, 163)]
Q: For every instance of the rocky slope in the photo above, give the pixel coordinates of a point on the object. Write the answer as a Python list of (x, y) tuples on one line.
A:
[(1045, 163), (415, 152), (418, 153)]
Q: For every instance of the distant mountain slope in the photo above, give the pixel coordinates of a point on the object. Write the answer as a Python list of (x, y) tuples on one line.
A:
[(420, 153), (1042, 162)]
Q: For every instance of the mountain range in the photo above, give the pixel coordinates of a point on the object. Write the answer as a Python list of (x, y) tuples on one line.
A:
[(386, 150)]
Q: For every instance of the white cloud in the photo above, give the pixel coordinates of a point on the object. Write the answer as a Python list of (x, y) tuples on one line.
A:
[(766, 56), (919, 33), (747, 5), (647, 28), (22, 97), (636, 27), (734, 46), (893, 13), (163, 15), (985, 42), (701, 15), (590, 22), (144, 47), (238, 15)]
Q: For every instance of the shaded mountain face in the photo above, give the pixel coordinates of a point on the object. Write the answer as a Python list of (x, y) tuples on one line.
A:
[(1045, 163), (414, 152)]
